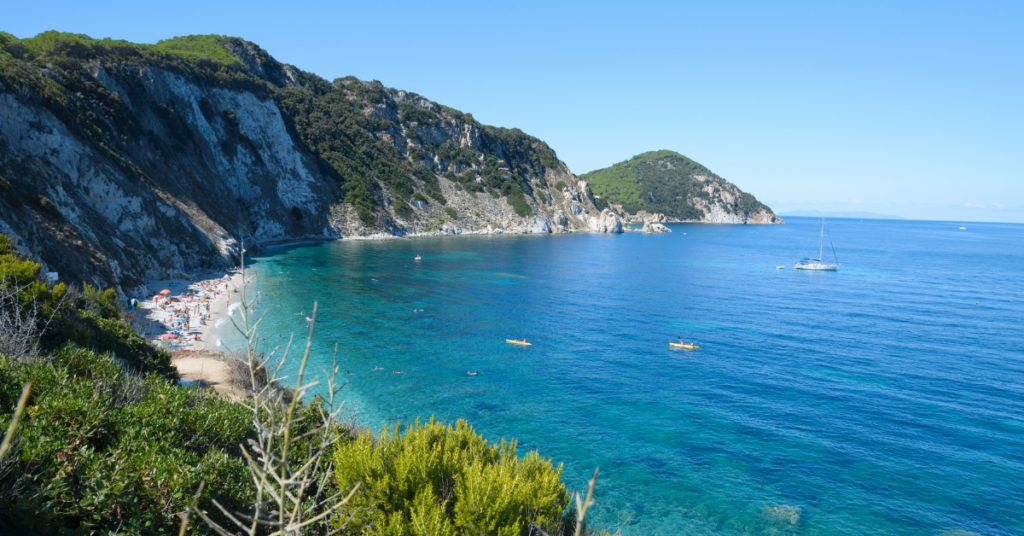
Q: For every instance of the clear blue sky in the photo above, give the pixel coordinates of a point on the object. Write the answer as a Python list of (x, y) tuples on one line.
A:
[(907, 108)]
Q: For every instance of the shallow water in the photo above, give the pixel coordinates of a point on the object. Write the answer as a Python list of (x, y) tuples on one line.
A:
[(879, 400)]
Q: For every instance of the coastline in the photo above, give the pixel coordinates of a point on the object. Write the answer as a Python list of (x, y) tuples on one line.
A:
[(283, 242), (198, 354)]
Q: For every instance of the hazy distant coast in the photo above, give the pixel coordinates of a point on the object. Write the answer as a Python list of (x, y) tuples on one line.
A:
[(831, 214)]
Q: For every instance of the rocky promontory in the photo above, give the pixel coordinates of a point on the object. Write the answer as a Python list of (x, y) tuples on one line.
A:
[(668, 183)]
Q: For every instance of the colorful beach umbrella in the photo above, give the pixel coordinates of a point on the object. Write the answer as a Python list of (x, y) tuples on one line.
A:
[(165, 291), (168, 336)]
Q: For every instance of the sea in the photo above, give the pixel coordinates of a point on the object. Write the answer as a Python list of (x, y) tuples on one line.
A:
[(886, 398)]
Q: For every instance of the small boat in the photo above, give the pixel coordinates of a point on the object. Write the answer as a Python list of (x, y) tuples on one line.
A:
[(418, 257), (779, 267), (520, 343), (815, 264), (687, 346)]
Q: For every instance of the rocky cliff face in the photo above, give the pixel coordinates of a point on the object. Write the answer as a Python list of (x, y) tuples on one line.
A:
[(116, 166)]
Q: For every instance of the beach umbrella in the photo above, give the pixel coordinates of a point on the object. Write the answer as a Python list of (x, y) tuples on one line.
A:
[(168, 336), (165, 291)]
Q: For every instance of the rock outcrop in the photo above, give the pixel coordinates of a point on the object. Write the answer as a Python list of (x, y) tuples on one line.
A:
[(606, 222), (644, 217), (650, 227)]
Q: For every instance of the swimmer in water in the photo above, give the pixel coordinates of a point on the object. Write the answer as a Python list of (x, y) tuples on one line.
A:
[(347, 372), (472, 373), (398, 372)]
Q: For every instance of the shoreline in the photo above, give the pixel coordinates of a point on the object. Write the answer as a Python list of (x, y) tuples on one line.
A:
[(198, 355), (283, 242)]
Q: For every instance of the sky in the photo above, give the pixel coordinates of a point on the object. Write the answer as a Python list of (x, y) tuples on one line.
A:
[(913, 109)]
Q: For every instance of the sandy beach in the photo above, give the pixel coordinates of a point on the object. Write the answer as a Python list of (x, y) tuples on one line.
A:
[(192, 310)]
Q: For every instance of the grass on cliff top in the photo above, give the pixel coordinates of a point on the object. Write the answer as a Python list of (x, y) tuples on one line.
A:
[(80, 46)]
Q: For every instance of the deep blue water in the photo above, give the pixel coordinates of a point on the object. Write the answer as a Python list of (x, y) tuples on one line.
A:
[(879, 400)]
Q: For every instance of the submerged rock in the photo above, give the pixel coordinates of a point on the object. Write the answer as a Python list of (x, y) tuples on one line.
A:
[(785, 513)]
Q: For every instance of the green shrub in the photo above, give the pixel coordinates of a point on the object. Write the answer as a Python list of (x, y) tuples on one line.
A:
[(419, 197), (23, 274), (403, 210), (416, 154), (102, 302), (519, 203), (433, 189), (366, 217), (102, 447), (560, 185), (115, 336), (410, 112), (451, 213), (91, 318), (436, 479)]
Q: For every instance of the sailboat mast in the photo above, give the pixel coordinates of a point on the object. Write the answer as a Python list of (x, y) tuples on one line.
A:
[(821, 243)]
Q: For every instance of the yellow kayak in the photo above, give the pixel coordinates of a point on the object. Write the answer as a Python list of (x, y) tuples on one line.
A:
[(520, 343), (688, 346)]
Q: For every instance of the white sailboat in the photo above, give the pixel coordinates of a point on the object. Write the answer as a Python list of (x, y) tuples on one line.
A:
[(963, 225), (817, 265)]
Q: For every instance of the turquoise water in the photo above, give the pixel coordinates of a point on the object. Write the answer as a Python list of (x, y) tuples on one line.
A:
[(879, 400)]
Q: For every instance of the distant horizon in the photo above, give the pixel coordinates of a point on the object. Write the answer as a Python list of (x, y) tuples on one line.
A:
[(887, 218)]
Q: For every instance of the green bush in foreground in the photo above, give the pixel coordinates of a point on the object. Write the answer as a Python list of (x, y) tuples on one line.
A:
[(442, 481), (101, 447)]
